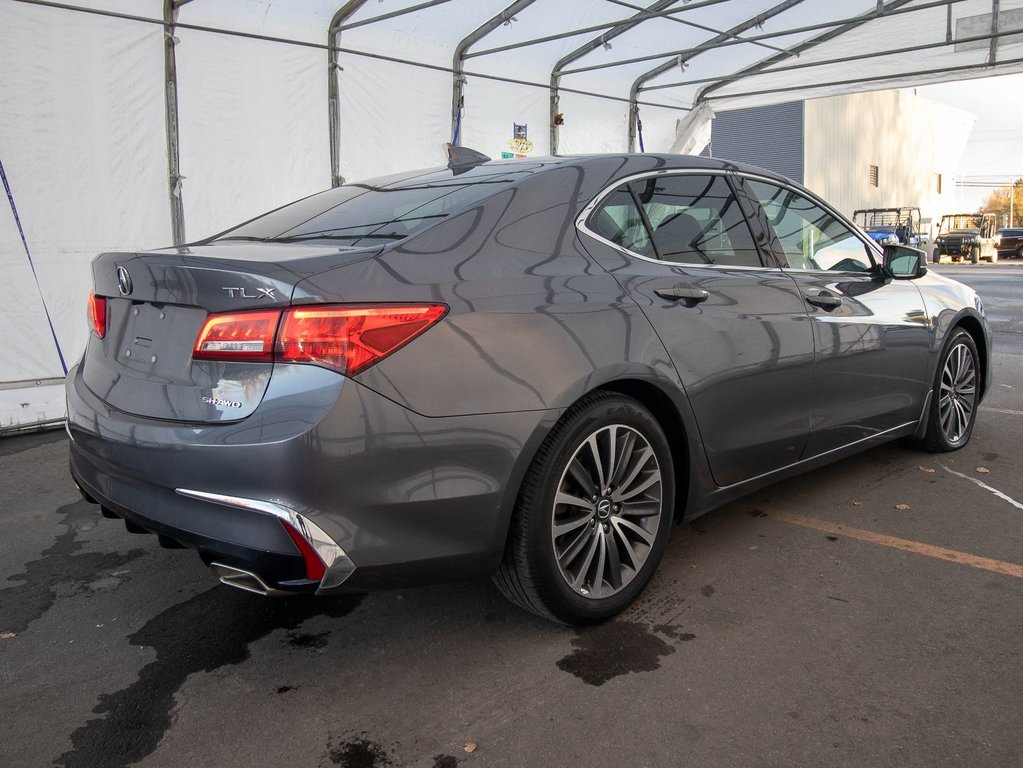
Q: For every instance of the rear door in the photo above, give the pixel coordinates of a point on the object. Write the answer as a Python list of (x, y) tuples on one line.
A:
[(872, 335), (736, 330)]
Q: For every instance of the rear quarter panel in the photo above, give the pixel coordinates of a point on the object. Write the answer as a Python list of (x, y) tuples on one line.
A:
[(533, 324)]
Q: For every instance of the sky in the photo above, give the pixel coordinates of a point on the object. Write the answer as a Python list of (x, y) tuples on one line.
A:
[(995, 146)]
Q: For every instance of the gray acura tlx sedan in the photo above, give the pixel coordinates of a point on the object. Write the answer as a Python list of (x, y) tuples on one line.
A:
[(525, 369)]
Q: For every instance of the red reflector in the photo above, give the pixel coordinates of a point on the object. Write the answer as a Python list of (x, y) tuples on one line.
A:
[(97, 312), (247, 336), (350, 339), (314, 566)]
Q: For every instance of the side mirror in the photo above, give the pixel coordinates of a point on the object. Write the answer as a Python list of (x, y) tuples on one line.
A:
[(904, 263)]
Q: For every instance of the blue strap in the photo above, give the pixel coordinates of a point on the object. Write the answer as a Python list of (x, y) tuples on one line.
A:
[(24, 242), (458, 128)]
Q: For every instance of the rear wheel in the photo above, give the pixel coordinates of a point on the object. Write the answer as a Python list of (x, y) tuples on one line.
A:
[(975, 255), (935, 256), (593, 515), (956, 388), (994, 257), (1019, 252)]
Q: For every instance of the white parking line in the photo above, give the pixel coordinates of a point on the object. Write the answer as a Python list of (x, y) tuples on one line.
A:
[(986, 487), (1002, 410)]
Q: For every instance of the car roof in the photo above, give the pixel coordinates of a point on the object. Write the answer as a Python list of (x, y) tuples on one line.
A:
[(629, 164)]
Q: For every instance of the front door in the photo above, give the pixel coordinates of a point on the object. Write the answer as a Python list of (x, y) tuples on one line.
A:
[(872, 334)]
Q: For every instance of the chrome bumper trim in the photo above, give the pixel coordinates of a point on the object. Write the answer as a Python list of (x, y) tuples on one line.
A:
[(339, 564)]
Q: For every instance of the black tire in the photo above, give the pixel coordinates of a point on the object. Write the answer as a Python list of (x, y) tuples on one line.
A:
[(939, 437), (935, 256), (975, 255), (531, 575), (1019, 252)]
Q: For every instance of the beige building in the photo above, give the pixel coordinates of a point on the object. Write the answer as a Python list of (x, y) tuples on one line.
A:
[(884, 149)]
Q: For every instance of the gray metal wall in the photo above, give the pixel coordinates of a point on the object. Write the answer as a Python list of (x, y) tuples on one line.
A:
[(770, 137)]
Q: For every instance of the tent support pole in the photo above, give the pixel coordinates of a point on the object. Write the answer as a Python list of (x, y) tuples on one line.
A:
[(840, 60), (593, 45), (680, 60), (872, 79), (458, 62), (334, 91), (994, 33), (170, 91), (754, 69)]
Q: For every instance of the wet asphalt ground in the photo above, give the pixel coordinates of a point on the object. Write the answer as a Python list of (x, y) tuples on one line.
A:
[(867, 614)]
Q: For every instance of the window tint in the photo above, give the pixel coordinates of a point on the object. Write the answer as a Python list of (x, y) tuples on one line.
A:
[(373, 213), (696, 220), (811, 237), (619, 221)]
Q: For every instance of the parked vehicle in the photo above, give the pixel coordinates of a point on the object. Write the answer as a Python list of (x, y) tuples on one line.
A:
[(526, 369), (966, 235), (892, 226), (1009, 242)]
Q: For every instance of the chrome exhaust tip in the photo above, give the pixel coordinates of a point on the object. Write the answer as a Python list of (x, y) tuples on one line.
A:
[(250, 582)]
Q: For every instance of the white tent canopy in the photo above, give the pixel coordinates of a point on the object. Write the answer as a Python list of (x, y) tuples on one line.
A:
[(133, 124)]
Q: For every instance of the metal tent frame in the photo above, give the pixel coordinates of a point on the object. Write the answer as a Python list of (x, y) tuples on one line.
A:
[(719, 88)]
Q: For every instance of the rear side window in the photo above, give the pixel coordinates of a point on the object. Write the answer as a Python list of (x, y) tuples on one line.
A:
[(696, 220), (619, 221), (688, 219), (810, 237)]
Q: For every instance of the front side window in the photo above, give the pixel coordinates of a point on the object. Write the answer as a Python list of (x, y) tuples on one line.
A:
[(809, 236)]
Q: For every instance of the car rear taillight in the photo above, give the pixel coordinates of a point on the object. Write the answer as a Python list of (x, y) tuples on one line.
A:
[(345, 338), (351, 339), (246, 336), (97, 312)]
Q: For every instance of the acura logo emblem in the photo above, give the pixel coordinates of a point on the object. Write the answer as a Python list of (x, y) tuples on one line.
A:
[(123, 281)]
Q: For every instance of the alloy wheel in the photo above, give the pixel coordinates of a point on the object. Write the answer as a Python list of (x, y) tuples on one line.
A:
[(957, 393), (607, 511)]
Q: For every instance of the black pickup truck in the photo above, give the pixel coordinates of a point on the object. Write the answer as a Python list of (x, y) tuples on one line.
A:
[(1009, 242)]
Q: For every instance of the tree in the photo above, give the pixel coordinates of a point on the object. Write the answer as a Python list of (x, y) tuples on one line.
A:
[(998, 203)]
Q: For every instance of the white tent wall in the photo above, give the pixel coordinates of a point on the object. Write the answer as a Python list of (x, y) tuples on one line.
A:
[(253, 127), (592, 125), (393, 118), (492, 109), (82, 144)]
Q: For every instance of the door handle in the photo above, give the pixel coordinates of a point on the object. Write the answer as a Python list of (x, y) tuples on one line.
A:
[(823, 300), (687, 293)]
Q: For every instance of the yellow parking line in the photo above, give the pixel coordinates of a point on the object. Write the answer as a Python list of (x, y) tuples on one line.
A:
[(941, 553)]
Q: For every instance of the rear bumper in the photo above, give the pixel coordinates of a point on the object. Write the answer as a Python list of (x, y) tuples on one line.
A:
[(383, 495)]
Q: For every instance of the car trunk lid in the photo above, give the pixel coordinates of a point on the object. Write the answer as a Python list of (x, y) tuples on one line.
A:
[(156, 305)]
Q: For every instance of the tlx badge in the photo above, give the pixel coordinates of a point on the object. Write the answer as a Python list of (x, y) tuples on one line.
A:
[(244, 293)]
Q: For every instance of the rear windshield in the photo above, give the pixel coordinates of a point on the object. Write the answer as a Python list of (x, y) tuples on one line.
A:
[(378, 211)]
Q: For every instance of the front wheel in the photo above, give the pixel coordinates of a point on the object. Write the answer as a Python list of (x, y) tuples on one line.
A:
[(975, 255), (994, 257), (955, 394), (593, 515), (1019, 252), (935, 256)]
